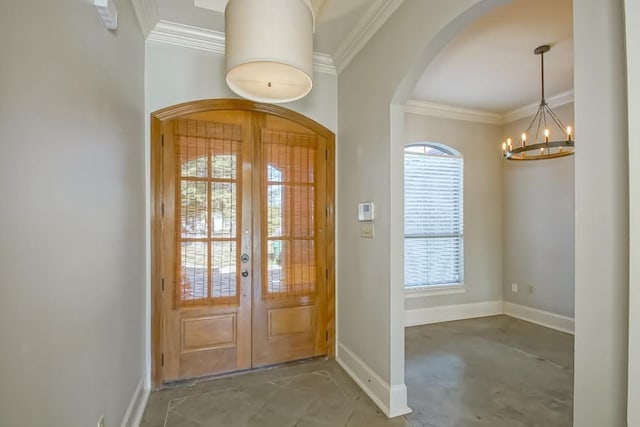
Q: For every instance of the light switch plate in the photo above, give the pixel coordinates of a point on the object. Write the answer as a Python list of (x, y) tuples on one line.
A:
[(366, 230)]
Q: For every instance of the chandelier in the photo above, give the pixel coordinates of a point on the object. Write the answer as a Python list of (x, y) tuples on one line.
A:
[(536, 142)]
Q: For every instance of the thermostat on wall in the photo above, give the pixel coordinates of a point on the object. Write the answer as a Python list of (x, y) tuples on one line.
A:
[(365, 211)]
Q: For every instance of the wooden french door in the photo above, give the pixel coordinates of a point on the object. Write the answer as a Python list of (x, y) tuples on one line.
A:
[(245, 239), (289, 310)]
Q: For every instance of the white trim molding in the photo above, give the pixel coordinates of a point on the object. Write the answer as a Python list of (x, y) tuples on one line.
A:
[(540, 317), (448, 313), (445, 111), (433, 109), (391, 400), (147, 14), (529, 110), (177, 34), (138, 403), (323, 63), (433, 290), (162, 31), (375, 16), (220, 5)]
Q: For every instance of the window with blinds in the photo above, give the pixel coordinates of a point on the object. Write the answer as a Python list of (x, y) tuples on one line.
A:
[(433, 216)]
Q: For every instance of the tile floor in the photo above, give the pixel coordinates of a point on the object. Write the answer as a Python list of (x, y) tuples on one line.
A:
[(495, 371)]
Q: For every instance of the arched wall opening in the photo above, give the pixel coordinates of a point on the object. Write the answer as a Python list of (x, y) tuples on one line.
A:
[(371, 337)]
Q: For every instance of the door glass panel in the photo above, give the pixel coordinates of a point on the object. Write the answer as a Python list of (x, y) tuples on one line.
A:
[(194, 269), (193, 209), (193, 157), (225, 275), (207, 192), (289, 198), (223, 209)]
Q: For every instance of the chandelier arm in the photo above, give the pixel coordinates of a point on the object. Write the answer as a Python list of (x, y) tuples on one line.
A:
[(556, 119), (528, 131), (539, 116)]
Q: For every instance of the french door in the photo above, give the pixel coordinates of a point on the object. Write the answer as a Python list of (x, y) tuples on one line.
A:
[(244, 242)]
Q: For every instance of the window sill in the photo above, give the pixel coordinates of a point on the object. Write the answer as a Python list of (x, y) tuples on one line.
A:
[(428, 291)]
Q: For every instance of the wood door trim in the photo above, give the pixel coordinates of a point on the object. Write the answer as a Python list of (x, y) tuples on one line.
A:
[(157, 119), (238, 104)]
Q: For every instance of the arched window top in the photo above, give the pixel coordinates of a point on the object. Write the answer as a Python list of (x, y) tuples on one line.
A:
[(432, 149)]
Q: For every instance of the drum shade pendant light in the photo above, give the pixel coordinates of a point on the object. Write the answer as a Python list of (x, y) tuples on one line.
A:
[(269, 49), (546, 137)]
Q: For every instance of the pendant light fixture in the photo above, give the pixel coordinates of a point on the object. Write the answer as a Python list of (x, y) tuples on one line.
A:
[(537, 142), (269, 49)]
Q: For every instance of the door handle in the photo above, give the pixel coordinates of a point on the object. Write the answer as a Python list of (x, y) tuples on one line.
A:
[(245, 273)]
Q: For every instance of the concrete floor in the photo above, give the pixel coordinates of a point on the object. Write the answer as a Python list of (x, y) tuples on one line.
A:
[(495, 371)]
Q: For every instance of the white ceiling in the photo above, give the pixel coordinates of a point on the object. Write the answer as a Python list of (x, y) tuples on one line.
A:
[(335, 19), (489, 67)]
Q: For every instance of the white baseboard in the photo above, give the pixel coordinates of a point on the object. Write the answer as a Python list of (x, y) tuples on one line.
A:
[(398, 401), (448, 313), (391, 400), (138, 402), (540, 317)]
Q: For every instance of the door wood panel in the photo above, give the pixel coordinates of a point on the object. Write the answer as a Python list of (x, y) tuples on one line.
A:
[(208, 333), (233, 178), (290, 320)]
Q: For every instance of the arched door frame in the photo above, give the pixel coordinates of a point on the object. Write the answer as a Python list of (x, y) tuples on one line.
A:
[(169, 113)]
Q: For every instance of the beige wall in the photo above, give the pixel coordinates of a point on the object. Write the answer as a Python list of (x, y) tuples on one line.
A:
[(602, 215), (177, 74), (539, 227), (371, 137), (482, 204), (72, 228), (632, 17)]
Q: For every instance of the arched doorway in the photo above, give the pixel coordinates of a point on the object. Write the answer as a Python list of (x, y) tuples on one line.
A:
[(242, 238)]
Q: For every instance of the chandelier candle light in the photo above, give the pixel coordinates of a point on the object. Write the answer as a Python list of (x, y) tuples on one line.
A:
[(533, 147)]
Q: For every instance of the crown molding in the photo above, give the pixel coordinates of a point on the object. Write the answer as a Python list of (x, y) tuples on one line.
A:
[(362, 32), (220, 5), (215, 5), (482, 116), (147, 14), (323, 63), (451, 112), (554, 101), (182, 35)]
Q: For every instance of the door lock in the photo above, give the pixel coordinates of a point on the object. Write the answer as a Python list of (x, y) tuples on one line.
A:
[(244, 258), (245, 273)]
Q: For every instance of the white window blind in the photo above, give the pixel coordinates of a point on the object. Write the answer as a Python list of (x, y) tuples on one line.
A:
[(433, 217)]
